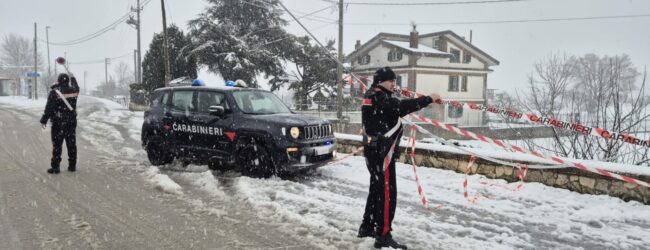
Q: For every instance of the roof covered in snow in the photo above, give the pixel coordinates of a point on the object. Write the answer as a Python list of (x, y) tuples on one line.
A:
[(421, 49)]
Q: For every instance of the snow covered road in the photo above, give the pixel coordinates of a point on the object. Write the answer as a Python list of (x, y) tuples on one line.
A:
[(318, 211)]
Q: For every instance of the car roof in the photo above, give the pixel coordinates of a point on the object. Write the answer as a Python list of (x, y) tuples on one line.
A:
[(225, 89)]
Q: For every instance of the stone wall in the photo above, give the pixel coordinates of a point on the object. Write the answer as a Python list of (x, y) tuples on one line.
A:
[(567, 178), (501, 134)]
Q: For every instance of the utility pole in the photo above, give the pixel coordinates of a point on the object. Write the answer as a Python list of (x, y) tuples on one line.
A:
[(47, 40), (136, 24), (135, 65), (106, 62), (139, 50), (167, 69), (35, 63), (85, 89), (339, 67)]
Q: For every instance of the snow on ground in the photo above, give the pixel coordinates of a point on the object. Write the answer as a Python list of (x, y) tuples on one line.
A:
[(24, 102), (325, 208)]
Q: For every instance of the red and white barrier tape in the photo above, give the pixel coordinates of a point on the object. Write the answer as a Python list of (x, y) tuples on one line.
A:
[(576, 127), (355, 151), (522, 177), (423, 198), (477, 195), (507, 146)]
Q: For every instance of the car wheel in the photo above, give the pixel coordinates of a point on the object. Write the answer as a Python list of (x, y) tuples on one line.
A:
[(158, 153), (254, 159)]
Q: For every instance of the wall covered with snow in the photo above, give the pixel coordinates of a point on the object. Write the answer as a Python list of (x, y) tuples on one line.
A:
[(566, 178)]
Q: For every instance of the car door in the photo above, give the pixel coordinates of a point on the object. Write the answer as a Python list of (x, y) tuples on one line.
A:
[(217, 135), (181, 110)]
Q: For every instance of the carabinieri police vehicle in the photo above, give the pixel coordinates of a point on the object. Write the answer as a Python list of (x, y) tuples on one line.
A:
[(244, 128)]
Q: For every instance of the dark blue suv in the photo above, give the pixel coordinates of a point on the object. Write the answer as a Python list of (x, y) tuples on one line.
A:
[(248, 129)]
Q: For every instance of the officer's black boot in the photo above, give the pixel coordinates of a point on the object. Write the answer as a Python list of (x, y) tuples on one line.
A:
[(387, 241), (366, 231), (72, 165), (53, 171)]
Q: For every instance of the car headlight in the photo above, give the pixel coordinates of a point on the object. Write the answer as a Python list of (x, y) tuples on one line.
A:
[(294, 132)]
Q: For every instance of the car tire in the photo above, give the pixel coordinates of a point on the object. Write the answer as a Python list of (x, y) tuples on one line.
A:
[(158, 153), (254, 159)]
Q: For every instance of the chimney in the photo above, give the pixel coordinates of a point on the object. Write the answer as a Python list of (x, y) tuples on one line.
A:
[(357, 45), (470, 36), (414, 39)]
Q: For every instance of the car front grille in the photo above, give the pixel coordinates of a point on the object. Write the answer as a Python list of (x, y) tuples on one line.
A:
[(317, 132)]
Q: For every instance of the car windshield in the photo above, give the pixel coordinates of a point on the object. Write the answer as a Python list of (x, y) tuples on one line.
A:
[(259, 103)]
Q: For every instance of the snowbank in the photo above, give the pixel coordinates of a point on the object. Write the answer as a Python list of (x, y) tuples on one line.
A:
[(162, 182), (24, 102)]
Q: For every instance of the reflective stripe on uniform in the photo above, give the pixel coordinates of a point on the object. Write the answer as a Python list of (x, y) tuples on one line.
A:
[(63, 97), (393, 130)]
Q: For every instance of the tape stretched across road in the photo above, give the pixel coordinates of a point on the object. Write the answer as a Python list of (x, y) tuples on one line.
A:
[(576, 127)]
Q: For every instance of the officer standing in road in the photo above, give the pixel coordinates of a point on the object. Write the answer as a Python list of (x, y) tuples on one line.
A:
[(381, 114), (61, 110)]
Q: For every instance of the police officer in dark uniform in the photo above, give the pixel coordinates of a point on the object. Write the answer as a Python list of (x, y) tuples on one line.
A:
[(381, 114), (61, 110)]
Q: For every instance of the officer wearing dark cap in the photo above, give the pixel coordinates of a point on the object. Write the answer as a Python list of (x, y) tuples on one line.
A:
[(61, 111), (381, 114)]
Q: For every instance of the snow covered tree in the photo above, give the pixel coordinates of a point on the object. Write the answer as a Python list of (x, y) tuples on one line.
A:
[(153, 65), (315, 71), (241, 39), (124, 76), (107, 89), (17, 56), (598, 91)]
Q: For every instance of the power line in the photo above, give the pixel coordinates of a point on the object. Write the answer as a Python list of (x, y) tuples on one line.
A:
[(426, 3), (305, 15), (99, 32), (97, 61), (512, 21)]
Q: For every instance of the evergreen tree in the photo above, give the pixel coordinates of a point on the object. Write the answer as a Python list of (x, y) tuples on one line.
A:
[(241, 39), (153, 65), (315, 71)]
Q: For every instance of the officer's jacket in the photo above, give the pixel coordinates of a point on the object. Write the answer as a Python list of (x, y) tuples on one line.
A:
[(56, 109), (380, 111)]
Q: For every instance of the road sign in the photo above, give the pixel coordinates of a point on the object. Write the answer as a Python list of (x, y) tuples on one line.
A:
[(32, 74)]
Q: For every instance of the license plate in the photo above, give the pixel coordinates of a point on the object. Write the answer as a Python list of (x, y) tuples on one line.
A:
[(322, 150)]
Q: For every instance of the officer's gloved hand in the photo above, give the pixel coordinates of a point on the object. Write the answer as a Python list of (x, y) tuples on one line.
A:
[(436, 97)]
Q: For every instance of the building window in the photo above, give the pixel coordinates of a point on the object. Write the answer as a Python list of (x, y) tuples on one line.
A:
[(398, 81), (394, 55), (436, 43), (455, 111), (364, 60), (455, 56), (463, 84), (453, 84), (467, 57)]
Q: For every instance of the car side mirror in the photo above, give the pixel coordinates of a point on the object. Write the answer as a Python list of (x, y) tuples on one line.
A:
[(216, 110)]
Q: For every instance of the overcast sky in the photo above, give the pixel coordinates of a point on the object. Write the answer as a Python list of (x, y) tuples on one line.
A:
[(516, 45)]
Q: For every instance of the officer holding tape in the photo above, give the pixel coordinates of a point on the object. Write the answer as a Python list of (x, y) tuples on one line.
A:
[(381, 114), (61, 110)]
